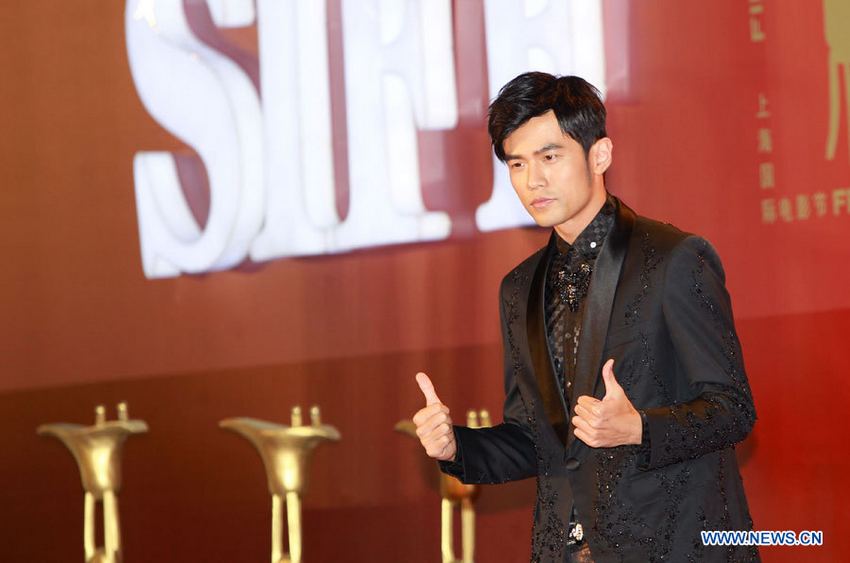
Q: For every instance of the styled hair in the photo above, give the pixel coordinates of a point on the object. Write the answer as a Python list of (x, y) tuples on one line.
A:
[(577, 105)]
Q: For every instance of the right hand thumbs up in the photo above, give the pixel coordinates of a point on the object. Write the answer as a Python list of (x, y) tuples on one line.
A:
[(433, 423)]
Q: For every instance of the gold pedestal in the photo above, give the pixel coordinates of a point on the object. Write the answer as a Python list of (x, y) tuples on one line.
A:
[(285, 451), (97, 450), (455, 494)]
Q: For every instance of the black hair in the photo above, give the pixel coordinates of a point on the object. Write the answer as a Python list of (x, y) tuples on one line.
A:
[(577, 105)]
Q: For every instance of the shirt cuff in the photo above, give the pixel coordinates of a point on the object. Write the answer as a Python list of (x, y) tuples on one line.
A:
[(645, 448)]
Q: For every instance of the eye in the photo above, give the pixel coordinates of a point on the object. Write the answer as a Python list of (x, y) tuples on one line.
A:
[(550, 157), (515, 165)]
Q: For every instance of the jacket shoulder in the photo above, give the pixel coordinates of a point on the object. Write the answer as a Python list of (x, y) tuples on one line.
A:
[(520, 272), (682, 249), (662, 236)]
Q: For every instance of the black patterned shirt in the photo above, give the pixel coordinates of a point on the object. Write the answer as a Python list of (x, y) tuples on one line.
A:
[(567, 282)]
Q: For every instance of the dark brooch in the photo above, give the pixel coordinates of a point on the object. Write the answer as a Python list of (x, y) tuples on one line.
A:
[(573, 286)]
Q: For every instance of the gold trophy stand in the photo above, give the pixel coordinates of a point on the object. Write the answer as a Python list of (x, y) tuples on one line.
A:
[(97, 450), (285, 451), (455, 494)]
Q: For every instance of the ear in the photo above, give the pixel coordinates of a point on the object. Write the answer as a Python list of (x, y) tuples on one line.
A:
[(601, 155)]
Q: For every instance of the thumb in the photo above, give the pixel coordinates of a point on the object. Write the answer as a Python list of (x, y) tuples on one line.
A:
[(608, 378), (427, 388)]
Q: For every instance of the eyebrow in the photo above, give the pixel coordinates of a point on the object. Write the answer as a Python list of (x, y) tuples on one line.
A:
[(541, 150)]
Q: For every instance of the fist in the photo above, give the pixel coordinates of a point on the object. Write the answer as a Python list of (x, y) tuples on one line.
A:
[(433, 423)]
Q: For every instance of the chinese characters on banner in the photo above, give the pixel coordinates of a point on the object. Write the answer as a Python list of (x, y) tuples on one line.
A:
[(803, 206)]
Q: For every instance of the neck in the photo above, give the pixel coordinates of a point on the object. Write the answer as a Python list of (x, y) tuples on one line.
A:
[(570, 230)]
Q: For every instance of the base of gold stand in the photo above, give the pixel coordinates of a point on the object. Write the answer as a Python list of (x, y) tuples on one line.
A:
[(467, 530)]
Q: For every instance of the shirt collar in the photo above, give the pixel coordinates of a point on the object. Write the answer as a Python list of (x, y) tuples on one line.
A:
[(589, 242)]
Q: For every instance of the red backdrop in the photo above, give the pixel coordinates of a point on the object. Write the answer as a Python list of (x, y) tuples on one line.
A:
[(720, 118)]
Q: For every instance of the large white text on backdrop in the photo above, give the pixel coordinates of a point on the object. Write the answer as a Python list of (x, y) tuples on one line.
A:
[(268, 155)]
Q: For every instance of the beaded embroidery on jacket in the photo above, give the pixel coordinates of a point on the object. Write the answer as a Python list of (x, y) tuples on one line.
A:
[(551, 538)]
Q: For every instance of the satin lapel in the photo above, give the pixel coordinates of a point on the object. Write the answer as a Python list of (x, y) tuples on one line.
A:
[(553, 401), (600, 300)]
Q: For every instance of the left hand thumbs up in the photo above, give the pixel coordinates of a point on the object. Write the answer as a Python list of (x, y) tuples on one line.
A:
[(613, 421), (613, 390)]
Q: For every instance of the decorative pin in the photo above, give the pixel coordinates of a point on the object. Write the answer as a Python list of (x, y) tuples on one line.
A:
[(577, 533)]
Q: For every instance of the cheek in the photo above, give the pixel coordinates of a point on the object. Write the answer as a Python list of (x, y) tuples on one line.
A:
[(564, 179), (574, 182), (517, 182)]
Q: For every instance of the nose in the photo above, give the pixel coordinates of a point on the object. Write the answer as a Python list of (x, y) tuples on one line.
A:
[(536, 177)]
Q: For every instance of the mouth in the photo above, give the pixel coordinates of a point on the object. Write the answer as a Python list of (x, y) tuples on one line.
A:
[(541, 202)]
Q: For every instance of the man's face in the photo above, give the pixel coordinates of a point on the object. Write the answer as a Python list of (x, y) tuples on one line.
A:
[(553, 178)]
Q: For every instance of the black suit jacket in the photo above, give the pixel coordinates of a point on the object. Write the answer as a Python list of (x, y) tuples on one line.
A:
[(658, 305)]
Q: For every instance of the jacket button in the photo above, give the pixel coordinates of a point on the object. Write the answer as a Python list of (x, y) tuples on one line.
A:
[(572, 464)]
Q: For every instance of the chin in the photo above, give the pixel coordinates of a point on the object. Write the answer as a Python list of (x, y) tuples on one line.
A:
[(545, 224), (547, 219)]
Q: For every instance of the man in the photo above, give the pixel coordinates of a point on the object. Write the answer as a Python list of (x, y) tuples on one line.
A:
[(624, 380)]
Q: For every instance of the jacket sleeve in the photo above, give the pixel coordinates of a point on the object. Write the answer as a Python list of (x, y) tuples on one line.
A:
[(500, 453), (710, 367)]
